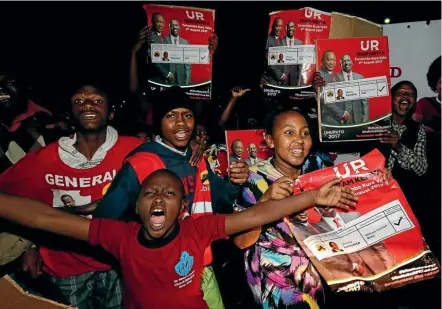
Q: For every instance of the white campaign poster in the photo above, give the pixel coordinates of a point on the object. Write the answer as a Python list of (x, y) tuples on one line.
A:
[(413, 47)]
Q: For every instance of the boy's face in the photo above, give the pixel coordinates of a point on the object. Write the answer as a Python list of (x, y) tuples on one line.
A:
[(177, 127), (159, 204)]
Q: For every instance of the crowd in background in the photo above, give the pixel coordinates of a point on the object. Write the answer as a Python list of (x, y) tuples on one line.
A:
[(89, 145)]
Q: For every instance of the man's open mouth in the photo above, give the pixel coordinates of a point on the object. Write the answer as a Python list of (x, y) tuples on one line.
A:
[(181, 134)]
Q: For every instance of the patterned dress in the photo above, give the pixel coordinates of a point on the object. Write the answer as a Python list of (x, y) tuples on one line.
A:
[(278, 271)]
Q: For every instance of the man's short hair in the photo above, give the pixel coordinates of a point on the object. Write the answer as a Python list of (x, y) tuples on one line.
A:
[(326, 52), (155, 14)]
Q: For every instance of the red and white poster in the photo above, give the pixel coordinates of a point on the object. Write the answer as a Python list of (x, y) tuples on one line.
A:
[(179, 50), (374, 247), (291, 51), (247, 146), (356, 102)]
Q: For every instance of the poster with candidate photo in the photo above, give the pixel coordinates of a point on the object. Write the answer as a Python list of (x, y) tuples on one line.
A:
[(247, 146), (291, 52), (374, 247), (355, 104), (179, 50)]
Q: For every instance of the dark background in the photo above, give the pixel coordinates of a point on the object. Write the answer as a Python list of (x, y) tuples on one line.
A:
[(53, 44)]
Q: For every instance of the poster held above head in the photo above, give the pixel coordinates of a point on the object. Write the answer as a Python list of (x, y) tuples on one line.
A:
[(178, 53), (355, 104), (291, 52)]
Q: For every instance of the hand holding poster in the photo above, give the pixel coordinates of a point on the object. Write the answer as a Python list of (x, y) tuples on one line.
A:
[(376, 246), (178, 53), (356, 102), (291, 51), (247, 146)]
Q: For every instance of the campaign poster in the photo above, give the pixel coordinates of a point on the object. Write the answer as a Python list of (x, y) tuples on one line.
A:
[(355, 104), (291, 52), (247, 146), (374, 247), (179, 50)]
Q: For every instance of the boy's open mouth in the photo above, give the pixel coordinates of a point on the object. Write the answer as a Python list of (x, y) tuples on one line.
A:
[(157, 218)]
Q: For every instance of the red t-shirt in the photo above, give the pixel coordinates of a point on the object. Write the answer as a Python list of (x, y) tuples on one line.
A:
[(41, 175), (160, 278)]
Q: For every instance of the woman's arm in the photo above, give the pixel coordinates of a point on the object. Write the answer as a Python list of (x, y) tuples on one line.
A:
[(269, 211)]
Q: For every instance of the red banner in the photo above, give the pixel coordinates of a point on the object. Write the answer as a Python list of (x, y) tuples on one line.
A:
[(378, 245)]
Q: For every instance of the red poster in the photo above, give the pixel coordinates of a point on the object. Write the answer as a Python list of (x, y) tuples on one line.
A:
[(247, 146), (356, 102), (291, 52), (179, 53), (374, 247)]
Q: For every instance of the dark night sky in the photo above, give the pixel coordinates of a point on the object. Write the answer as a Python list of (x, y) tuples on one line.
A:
[(54, 43)]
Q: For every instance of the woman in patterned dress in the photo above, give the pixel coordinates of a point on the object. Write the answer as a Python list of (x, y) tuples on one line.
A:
[(278, 271)]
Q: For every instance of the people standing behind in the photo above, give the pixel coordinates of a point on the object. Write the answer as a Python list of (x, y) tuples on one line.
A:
[(85, 166), (408, 159), (359, 107)]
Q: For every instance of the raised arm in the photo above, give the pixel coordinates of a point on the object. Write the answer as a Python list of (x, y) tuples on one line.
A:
[(37, 215), (269, 211)]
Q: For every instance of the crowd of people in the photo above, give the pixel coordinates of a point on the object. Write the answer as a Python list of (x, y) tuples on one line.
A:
[(143, 219)]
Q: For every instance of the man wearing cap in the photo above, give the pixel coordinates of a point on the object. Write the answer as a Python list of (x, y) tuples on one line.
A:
[(206, 193)]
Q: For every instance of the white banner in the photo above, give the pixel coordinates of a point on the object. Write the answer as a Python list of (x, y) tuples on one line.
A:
[(413, 47)]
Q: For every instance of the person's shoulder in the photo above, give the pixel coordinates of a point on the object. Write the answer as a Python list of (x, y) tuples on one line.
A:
[(129, 141)]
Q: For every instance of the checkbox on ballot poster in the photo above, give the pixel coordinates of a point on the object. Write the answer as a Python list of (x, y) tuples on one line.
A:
[(382, 89)]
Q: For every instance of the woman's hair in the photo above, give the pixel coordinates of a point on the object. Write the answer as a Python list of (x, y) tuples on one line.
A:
[(433, 74), (272, 117)]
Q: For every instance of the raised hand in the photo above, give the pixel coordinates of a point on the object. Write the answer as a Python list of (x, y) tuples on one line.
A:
[(238, 92), (143, 37)]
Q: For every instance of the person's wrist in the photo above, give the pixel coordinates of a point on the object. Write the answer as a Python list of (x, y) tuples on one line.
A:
[(314, 194)]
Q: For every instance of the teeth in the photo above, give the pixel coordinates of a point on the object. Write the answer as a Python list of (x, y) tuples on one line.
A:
[(296, 150), (157, 210), (89, 116), (160, 225)]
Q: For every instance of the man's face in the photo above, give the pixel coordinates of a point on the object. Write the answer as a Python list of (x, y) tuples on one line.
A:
[(90, 109), (346, 63), (12, 103), (328, 212), (177, 127), (237, 148), (281, 57), (334, 245), (290, 29), (329, 61), (302, 217), (174, 28), (277, 26), (158, 23), (201, 135), (340, 93), (252, 151), (68, 201), (403, 100), (166, 55), (159, 204)]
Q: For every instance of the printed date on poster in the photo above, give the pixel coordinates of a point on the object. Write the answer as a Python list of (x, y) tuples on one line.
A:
[(372, 87), (287, 55), (186, 54), (369, 229)]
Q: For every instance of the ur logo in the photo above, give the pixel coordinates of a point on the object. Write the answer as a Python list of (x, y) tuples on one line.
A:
[(184, 265)]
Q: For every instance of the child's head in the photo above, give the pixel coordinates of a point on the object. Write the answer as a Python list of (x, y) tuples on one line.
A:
[(161, 199)]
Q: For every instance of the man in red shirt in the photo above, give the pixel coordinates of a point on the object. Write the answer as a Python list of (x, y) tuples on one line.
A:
[(162, 258), (81, 167)]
